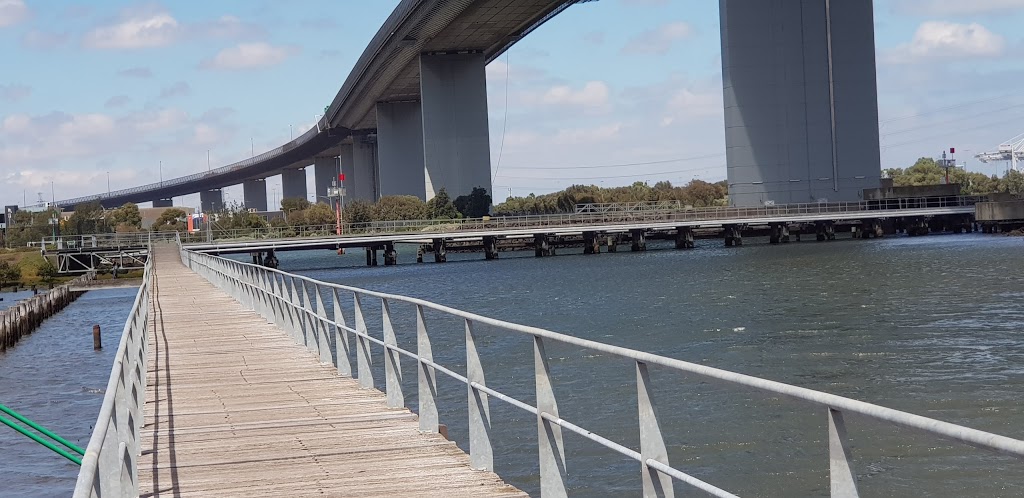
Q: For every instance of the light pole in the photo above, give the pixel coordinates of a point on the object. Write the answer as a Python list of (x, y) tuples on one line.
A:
[(291, 136), (161, 173), (207, 159), (252, 148), (108, 183)]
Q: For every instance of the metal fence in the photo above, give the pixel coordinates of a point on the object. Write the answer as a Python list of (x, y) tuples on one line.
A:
[(110, 464), (285, 300)]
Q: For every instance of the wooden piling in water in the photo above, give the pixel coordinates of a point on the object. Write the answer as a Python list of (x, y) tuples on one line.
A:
[(25, 316)]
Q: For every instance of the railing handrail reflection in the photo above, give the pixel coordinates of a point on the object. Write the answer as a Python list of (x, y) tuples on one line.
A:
[(110, 464), (285, 299)]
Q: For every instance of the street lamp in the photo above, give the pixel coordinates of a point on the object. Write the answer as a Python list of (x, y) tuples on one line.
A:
[(108, 183), (161, 173), (252, 148)]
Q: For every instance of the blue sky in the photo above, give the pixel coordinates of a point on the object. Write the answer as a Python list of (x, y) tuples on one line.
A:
[(609, 92)]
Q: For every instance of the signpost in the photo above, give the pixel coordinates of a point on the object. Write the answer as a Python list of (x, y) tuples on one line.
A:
[(337, 195)]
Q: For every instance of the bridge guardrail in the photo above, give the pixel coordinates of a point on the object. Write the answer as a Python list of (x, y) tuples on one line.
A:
[(284, 299), (110, 464), (602, 214)]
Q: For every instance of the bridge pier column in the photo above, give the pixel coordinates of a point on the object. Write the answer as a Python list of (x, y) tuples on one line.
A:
[(400, 149), (255, 194), (163, 203), (639, 240), (211, 201), (825, 230), (542, 246), (371, 256), (293, 184), (733, 235), (456, 144), (325, 173), (684, 238), (591, 243), (440, 254), (490, 248), (390, 254), (613, 243)]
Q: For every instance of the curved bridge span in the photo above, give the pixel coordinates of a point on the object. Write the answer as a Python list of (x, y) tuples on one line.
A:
[(387, 74)]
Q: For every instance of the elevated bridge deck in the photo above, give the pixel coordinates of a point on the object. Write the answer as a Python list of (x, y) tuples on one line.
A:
[(236, 408)]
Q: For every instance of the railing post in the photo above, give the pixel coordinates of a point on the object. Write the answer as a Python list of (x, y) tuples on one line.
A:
[(392, 363), (481, 456), (363, 359), (426, 377), (549, 436), (341, 337), (308, 326), (652, 444), (323, 344), (841, 476), (294, 315)]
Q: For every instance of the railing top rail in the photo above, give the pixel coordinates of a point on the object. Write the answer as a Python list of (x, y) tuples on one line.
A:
[(956, 432), (90, 461)]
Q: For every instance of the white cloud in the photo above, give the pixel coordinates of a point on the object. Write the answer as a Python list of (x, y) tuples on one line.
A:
[(178, 89), (248, 56), (44, 40), (956, 7), (941, 39), (594, 94), (14, 93), (117, 101), (658, 41), (574, 136), (228, 27), (135, 31), (12, 12)]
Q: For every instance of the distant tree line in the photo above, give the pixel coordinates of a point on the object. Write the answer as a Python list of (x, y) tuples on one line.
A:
[(926, 171), (696, 193)]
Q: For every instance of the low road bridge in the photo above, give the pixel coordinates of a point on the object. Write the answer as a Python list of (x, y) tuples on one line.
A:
[(233, 379), (609, 228)]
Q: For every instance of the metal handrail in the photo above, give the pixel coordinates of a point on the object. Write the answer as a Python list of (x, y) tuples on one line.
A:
[(628, 214), (110, 464), (284, 299)]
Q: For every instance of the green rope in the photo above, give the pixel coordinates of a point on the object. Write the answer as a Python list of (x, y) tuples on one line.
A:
[(60, 451), (42, 429)]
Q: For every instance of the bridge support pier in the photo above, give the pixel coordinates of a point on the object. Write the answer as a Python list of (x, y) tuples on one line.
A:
[(684, 238), (371, 256), (542, 246), (733, 235), (211, 201), (639, 240), (490, 248), (613, 243), (871, 228), (163, 203), (456, 144), (400, 149), (440, 253), (591, 243), (390, 254), (325, 173), (917, 226), (255, 194), (825, 230), (779, 233), (293, 184)]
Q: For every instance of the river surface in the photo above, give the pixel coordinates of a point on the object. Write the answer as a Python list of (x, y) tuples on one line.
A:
[(930, 325), (54, 378)]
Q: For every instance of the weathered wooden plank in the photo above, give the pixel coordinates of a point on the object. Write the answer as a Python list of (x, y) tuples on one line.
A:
[(234, 408)]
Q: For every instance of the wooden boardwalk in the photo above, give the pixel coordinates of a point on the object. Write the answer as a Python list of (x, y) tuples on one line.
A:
[(235, 408)]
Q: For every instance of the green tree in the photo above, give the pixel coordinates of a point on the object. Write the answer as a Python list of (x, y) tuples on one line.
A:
[(475, 205), (441, 207), (47, 272), (400, 207), (293, 204), (320, 214), (86, 219), (172, 219), (358, 212), (126, 218), (9, 275)]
